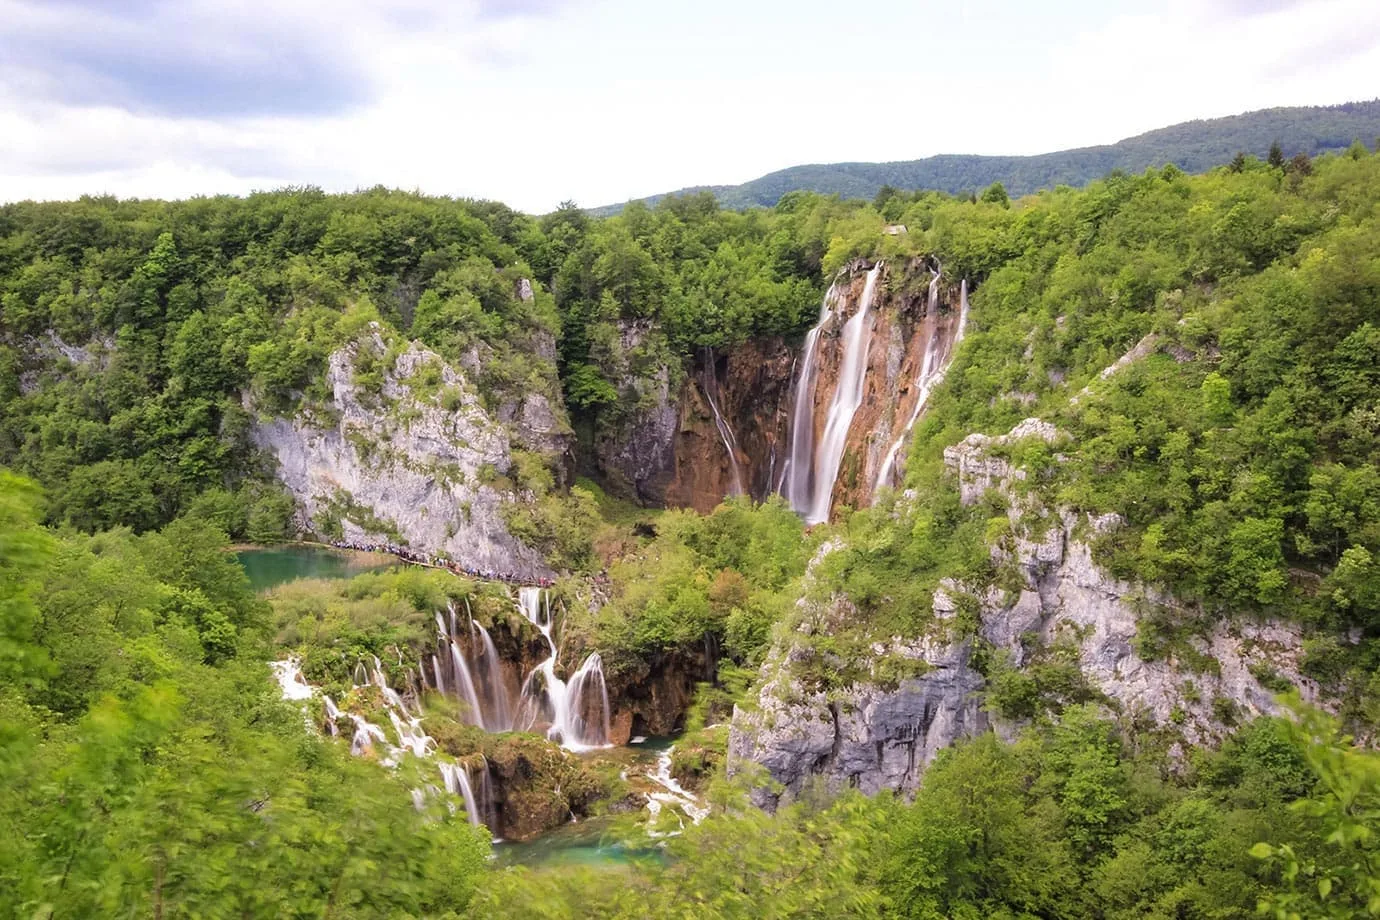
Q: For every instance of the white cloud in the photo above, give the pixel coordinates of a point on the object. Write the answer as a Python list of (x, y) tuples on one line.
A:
[(533, 101)]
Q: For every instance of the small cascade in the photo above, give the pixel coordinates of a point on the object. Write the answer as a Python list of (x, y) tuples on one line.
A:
[(289, 676), (460, 670), (564, 707), (857, 338), (371, 739), (500, 711), (440, 678), (711, 395), (674, 796), (457, 780), (932, 372), (587, 695), (332, 714)]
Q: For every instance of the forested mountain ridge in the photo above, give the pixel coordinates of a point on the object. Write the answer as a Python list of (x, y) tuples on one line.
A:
[(1137, 502), (1193, 146)]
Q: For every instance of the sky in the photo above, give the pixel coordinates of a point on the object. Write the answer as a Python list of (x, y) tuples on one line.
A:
[(534, 102)]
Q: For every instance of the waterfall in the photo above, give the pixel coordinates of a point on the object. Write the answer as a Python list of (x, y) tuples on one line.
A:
[(440, 679), (565, 706), (962, 311), (457, 780), (930, 376), (799, 466), (575, 713), (465, 684), (577, 729), (500, 713), (289, 676), (711, 389), (857, 337), (332, 713)]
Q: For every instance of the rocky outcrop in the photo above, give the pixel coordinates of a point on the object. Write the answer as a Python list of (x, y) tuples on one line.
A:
[(49, 353), (1065, 597), (750, 385), (872, 735), (634, 453), (922, 694), (653, 700), (404, 454), (535, 415)]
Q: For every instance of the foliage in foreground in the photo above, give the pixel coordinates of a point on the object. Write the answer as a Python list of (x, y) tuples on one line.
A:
[(1066, 823), (147, 766)]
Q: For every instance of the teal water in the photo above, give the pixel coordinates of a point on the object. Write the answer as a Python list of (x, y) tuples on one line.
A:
[(273, 566), (598, 842), (588, 843)]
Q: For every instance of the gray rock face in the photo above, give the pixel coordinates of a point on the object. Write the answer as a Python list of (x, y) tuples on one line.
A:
[(410, 458), (867, 737), (873, 736), (978, 470), (538, 423), (640, 454), (50, 350)]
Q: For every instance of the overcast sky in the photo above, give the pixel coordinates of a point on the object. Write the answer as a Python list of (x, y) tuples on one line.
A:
[(535, 101)]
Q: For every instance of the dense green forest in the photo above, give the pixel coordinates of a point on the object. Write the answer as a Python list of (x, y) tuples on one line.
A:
[(1193, 146), (147, 765)]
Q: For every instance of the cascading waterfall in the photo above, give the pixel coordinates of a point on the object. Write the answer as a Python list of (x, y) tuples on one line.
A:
[(577, 712), (711, 392), (857, 338), (370, 738), (930, 376)]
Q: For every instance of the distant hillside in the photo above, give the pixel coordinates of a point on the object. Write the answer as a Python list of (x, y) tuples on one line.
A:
[(1194, 146)]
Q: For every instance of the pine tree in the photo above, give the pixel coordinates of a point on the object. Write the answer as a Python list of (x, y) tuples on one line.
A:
[(1276, 157)]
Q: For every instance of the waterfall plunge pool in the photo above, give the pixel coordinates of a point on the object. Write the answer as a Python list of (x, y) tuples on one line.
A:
[(602, 842)]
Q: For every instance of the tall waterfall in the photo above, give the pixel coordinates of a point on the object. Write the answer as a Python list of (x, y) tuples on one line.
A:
[(932, 371), (799, 466), (711, 394), (857, 337)]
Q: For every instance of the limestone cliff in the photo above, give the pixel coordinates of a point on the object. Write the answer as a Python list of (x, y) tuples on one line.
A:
[(882, 730), (403, 454), (632, 449)]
